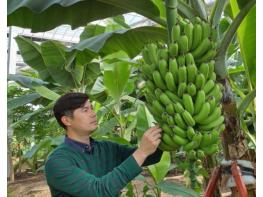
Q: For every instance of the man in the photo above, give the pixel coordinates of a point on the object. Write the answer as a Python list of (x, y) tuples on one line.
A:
[(84, 167)]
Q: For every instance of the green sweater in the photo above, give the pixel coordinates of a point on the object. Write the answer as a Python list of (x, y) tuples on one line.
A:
[(101, 173)]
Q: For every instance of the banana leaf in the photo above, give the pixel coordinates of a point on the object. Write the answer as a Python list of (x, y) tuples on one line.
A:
[(247, 40), (129, 40), (45, 15)]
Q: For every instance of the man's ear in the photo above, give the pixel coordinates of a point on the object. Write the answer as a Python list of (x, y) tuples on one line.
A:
[(66, 120)]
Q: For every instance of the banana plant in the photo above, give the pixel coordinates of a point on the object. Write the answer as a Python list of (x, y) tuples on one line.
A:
[(154, 10)]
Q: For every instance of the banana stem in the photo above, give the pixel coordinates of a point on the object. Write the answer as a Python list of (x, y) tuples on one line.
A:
[(171, 14), (192, 174)]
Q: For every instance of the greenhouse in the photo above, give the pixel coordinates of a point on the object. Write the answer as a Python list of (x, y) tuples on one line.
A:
[(142, 98)]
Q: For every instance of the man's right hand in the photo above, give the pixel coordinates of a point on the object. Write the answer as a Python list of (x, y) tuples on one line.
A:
[(149, 143)]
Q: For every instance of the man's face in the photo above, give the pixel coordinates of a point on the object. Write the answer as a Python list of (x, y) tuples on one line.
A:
[(84, 119)]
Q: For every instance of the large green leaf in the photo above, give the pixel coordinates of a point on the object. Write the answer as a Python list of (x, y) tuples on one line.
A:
[(116, 79), (247, 39), (217, 11), (245, 103), (144, 120), (160, 169), (47, 93), (199, 6), (45, 143), (28, 82), (22, 100), (176, 190), (55, 58), (185, 10), (43, 15), (29, 115), (31, 53), (131, 41)]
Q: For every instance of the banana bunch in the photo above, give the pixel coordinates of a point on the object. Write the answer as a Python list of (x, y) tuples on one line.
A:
[(181, 90)]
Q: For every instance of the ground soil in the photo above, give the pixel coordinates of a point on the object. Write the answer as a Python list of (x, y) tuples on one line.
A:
[(34, 185)]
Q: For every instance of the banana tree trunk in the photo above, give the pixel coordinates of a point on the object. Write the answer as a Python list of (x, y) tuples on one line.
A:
[(234, 142)]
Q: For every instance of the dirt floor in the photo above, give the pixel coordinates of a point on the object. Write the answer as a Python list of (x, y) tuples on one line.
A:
[(28, 185)]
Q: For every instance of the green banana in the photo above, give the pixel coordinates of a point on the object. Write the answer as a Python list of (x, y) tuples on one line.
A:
[(165, 99), (188, 30), (215, 92), (146, 56), (202, 48), (176, 31), (206, 30), (170, 120), (219, 97), (158, 92), (173, 68), (211, 149), (188, 103), (149, 97), (209, 86), (213, 124), (206, 139), (179, 121), (200, 81), (179, 140), (199, 102), (153, 112), (197, 139), (163, 67), (157, 107), (191, 73), (158, 80), (173, 96), (211, 66), (182, 75), (179, 131), (181, 60), (188, 118), (197, 35), (209, 55), (173, 49), (181, 89), (204, 69), (178, 108), (167, 129), (212, 101), (146, 69), (150, 86), (152, 53), (183, 44), (203, 114), (189, 59), (169, 79), (213, 76), (164, 116), (168, 140), (170, 109), (214, 136), (191, 89), (200, 154), (165, 147), (189, 146), (190, 132), (163, 53)]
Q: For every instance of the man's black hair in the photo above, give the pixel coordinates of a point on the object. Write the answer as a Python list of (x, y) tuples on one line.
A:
[(66, 105)]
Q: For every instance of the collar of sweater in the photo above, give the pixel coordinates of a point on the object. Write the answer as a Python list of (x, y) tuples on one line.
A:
[(83, 147)]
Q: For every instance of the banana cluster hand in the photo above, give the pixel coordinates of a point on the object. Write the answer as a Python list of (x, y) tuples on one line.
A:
[(181, 90)]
